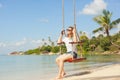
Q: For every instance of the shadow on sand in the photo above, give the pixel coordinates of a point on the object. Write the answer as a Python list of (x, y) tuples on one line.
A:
[(78, 74), (104, 78)]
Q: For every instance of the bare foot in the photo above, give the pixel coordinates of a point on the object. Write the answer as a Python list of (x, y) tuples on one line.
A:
[(63, 74), (59, 77)]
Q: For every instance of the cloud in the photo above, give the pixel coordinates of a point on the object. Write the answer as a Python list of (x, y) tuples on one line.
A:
[(94, 7), (118, 26), (24, 41), (98, 33), (44, 20), (21, 45), (36, 41), (2, 44)]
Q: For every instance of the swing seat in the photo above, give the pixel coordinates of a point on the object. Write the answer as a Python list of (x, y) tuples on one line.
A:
[(60, 43), (79, 42), (75, 60)]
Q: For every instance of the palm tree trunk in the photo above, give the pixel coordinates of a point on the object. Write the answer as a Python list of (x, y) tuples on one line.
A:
[(107, 32)]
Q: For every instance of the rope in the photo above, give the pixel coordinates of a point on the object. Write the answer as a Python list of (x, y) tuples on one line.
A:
[(62, 22), (74, 9), (63, 14)]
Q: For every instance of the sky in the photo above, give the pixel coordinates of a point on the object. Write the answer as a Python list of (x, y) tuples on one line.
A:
[(24, 23)]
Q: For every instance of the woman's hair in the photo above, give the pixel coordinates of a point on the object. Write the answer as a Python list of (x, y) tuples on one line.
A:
[(70, 27)]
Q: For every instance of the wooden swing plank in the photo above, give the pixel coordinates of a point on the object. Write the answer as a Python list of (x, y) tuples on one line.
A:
[(60, 43), (71, 42), (76, 42), (75, 60)]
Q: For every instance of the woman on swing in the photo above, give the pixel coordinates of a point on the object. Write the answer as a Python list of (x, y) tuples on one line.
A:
[(71, 49)]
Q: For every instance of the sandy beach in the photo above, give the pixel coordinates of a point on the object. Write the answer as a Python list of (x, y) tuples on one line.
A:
[(109, 72)]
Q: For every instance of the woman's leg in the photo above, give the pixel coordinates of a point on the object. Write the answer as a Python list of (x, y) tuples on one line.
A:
[(61, 64), (58, 63), (58, 59)]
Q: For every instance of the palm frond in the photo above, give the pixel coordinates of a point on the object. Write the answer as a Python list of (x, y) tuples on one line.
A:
[(111, 27), (107, 16), (107, 13), (115, 22), (99, 19), (99, 29)]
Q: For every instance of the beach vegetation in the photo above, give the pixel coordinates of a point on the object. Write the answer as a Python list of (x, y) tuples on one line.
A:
[(106, 24), (95, 45)]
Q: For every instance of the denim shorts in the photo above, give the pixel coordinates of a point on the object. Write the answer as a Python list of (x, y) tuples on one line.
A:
[(73, 53)]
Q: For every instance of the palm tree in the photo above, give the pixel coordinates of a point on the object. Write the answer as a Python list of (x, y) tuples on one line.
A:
[(105, 23), (44, 42), (83, 36), (49, 39)]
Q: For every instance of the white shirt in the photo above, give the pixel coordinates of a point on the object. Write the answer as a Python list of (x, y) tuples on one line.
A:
[(70, 47)]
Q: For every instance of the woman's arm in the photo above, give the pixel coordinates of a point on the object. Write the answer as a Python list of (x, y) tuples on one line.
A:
[(60, 37), (74, 34)]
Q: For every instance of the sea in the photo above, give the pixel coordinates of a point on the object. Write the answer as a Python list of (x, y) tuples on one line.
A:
[(43, 67)]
